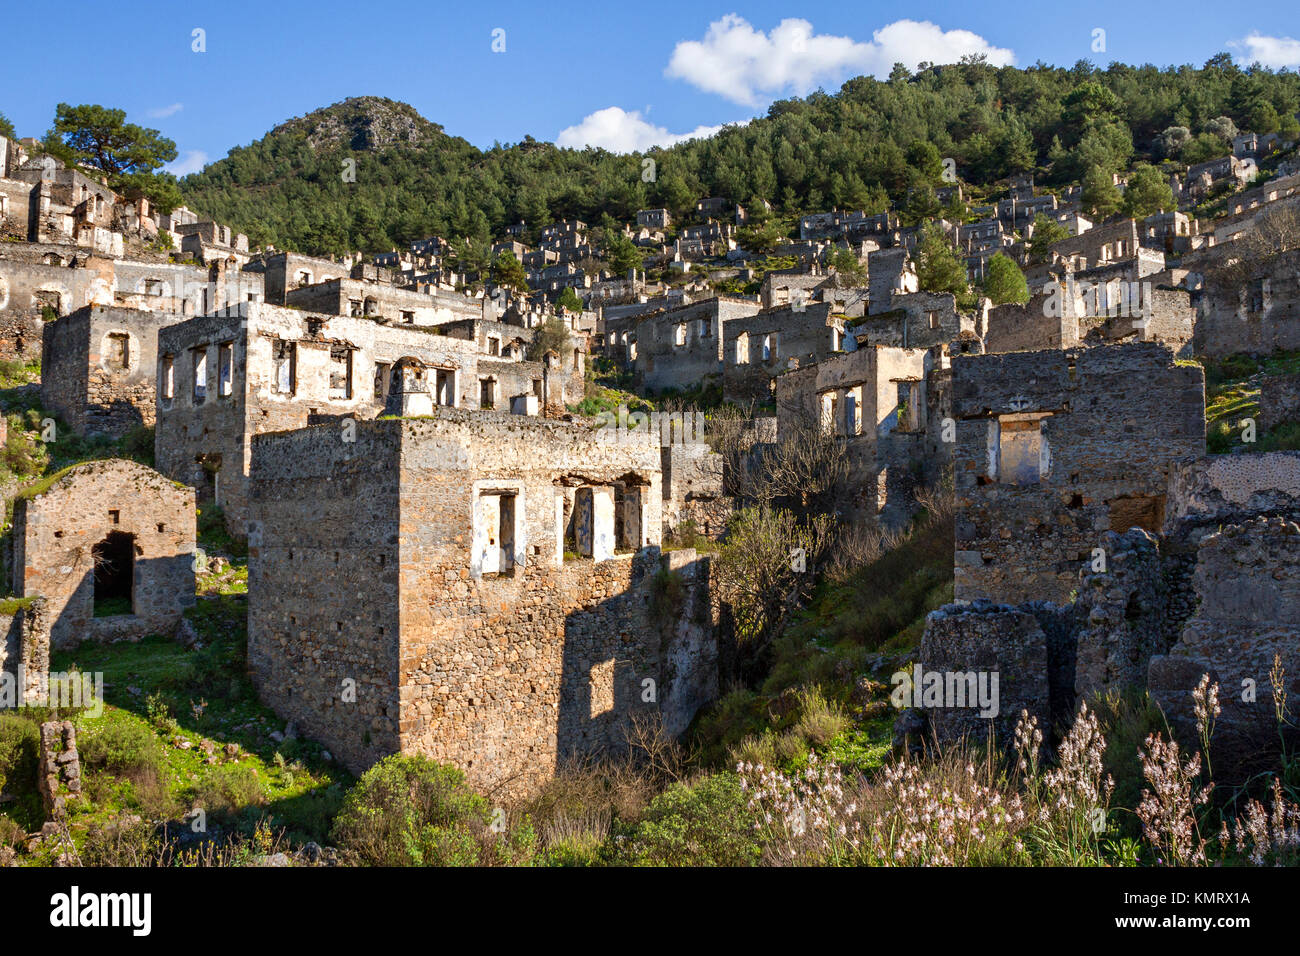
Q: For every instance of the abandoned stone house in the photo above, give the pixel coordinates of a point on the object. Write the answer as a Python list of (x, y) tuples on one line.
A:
[(1070, 312), (109, 546), (470, 587), (880, 400), (283, 272), (758, 347), (395, 304), (890, 273), (1214, 591), (1225, 171), (1257, 315), (1110, 251), (254, 368), (683, 347), (100, 359), (99, 368), (64, 279), (694, 490), (1053, 448), (918, 320)]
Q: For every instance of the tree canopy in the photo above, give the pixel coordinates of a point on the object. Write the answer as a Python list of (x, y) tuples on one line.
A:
[(1004, 282), (860, 147), (129, 156)]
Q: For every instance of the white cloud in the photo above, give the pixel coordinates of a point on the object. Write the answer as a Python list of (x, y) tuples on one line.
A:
[(165, 111), (1273, 52), (620, 131), (192, 161), (749, 66)]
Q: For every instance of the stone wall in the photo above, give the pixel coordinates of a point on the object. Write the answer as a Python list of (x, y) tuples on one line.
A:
[(1258, 316), (1279, 400), (204, 441), (106, 526), (24, 651), (1053, 449), (918, 320), (99, 368), (1203, 490), (1032, 327), (472, 630), (400, 305), (693, 489), (1122, 611), (759, 347), (988, 641), (682, 347), (1247, 583)]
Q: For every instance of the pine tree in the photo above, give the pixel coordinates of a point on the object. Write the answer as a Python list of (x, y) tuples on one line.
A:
[(1004, 282), (937, 267)]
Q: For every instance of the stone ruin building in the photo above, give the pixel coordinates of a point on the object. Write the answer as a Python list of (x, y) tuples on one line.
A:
[(1055, 447), (471, 586), (759, 347), (257, 367), (889, 405), (1106, 553), (106, 550)]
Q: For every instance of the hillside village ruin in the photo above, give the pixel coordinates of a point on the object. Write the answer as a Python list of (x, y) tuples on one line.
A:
[(446, 558)]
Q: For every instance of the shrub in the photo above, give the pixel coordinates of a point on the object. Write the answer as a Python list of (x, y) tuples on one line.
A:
[(228, 788), (20, 743), (412, 811), (705, 824), (121, 747), (11, 834)]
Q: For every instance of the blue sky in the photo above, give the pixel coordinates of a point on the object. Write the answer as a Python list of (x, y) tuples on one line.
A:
[(621, 75)]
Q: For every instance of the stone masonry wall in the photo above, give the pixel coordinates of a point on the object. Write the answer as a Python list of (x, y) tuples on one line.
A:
[(505, 673), (1279, 400), (100, 368), (56, 533), (1105, 425), (1247, 582)]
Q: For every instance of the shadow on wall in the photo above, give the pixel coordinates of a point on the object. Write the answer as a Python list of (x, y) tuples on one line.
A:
[(121, 596), (113, 419), (650, 651)]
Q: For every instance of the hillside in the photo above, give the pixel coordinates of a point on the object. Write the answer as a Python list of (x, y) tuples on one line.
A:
[(862, 147)]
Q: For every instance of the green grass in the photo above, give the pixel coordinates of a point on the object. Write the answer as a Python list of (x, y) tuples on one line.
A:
[(160, 697), (1232, 394)]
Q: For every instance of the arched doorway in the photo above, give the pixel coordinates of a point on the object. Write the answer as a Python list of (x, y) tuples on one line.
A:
[(114, 559)]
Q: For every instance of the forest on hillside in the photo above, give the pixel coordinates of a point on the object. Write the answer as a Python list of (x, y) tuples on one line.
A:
[(865, 147)]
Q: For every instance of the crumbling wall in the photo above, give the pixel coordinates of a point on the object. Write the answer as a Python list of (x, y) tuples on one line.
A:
[(1122, 612), (1258, 315), (24, 652), (1104, 426), (759, 347), (991, 642), (682, 347), (1247, 582), (1031, 327), (693, 489), (1223, 486)]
